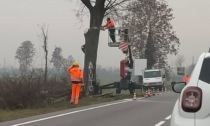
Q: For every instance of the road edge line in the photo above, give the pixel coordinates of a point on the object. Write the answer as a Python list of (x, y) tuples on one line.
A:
[(160, 123), (69, 113)]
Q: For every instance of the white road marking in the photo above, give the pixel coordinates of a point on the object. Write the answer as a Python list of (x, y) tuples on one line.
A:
[(139, 98), (128, 99), (69, 113), (160, 123), (167, 118)]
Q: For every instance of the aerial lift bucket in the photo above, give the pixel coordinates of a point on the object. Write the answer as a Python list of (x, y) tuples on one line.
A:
[(121, 35)]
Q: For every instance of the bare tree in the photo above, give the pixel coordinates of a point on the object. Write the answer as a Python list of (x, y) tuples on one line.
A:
[(25, 54), (98, 9), (44, 39)]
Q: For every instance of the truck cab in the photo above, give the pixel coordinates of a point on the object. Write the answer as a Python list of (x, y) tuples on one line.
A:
[(153, 78)]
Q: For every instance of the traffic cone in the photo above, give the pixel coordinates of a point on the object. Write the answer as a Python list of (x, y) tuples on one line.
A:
[(134, 96), (149, 93), (146, 94)]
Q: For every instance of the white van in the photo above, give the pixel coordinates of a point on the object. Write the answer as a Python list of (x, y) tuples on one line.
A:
[(153, 78)]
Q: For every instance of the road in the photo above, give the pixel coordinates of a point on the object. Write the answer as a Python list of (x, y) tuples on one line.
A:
[(153, 111)]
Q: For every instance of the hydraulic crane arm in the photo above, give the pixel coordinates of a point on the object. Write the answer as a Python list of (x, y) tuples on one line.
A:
[(130, 57)]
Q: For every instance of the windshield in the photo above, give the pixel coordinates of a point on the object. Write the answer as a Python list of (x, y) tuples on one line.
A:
[(151, 74), (205, 71)]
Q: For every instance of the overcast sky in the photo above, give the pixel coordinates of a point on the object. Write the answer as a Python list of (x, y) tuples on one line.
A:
[(19, 20)]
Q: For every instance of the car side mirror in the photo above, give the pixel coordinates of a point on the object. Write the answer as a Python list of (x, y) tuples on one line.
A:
[(178, 86), (172, 83)]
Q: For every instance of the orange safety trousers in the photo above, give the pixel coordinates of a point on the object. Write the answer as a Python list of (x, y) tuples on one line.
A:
[(75, 93)]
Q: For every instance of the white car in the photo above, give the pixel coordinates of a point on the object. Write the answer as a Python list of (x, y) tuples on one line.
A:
[(193, 106)]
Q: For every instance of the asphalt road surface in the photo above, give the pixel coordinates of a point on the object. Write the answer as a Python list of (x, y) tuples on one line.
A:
[(153, 111)]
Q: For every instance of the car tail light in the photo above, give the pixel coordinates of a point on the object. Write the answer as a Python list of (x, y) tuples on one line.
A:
[(191, 99)]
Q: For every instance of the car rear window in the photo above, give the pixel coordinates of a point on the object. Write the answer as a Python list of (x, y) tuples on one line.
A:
[(205, 71)]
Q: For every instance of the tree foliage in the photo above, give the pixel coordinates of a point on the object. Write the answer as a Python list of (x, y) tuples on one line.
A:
[(57, 58), (67, 62), (61, 64), (151, 17), (24, 55)]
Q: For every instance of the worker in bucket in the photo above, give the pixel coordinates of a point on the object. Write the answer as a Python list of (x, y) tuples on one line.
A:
[(110, 25), (76, 76)]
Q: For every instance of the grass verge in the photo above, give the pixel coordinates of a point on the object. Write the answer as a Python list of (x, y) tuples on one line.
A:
[(6, 115)]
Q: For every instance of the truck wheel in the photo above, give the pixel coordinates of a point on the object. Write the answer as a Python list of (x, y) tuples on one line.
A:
[(118, 90)]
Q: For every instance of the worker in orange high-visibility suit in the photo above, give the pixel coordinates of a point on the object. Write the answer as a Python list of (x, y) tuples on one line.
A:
[(110, 25), (77, 80), (186, 78)]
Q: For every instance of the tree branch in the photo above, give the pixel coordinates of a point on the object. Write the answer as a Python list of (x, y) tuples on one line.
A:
[(87, 3), (109, 2), (114, 4)]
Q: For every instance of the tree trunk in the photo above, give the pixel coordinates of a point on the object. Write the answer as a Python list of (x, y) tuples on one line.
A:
[(45, 74), (91, 54), (91, 44)]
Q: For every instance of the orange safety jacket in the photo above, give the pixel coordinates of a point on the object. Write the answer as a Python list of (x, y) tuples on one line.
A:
[(109, 24), (76, 74)]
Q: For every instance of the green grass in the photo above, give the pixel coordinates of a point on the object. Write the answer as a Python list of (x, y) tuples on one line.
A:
[(6, 115)]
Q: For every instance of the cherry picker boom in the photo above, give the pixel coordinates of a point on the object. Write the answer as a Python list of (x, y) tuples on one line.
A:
[(122, 38), (126, 65)]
